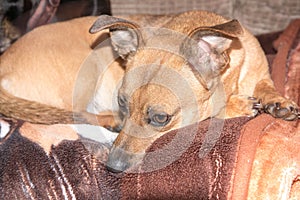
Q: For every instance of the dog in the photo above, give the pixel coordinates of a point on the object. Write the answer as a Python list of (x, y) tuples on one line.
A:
[(39, 73), (195, 66), (187, 68)]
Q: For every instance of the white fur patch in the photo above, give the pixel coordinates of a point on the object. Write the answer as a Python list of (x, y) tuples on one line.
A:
[(5, 84), (107, 98), (106, 93), (4, 129), (96, 133)]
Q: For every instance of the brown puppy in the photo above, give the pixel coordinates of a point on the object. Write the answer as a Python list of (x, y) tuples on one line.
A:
[(196, 65), (57, 65), (57, 72)]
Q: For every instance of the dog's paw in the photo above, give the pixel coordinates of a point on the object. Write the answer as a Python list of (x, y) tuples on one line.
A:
[(241, 105), (116, 128), (286, 110), (256, 106)]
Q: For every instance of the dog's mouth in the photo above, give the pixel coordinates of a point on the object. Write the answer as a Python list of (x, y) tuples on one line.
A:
[(120, 160)]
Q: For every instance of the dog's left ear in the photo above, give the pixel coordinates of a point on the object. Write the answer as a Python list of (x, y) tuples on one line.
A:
[(205, 48), (125, 35)]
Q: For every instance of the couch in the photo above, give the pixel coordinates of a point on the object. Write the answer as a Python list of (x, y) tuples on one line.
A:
[(248, 158)]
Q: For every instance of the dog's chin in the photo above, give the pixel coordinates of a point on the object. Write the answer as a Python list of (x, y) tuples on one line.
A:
[(120, 160)]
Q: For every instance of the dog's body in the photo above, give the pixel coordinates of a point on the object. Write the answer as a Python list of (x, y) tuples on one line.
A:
[(180, 74), (58, 65), (43, 65), (194, 66), (48, 63)]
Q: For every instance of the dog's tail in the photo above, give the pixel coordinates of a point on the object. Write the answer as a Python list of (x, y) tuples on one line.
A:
[(34, 112)]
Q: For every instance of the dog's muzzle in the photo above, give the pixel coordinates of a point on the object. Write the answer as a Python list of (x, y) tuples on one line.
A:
[(120, 160)]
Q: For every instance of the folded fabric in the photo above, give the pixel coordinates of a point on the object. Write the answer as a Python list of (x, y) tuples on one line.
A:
[(238, 158)]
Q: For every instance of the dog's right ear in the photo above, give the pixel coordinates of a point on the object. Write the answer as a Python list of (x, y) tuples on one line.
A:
[(125, 35), (206, 49)]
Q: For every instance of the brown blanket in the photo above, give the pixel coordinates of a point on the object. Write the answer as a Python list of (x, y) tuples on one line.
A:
[(249, 158), (75, 168)]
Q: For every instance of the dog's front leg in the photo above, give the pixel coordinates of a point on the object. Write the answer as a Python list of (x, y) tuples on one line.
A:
[(109, 120), (242, 105), (273, 103)]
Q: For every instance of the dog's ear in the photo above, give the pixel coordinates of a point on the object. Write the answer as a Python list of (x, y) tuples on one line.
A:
[(125, 35), (219, 37), (205, 48)]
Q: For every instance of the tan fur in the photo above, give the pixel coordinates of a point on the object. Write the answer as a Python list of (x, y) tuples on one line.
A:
[(36, 112), (40, 67), (157, 79), (245, 76), (39, 72)]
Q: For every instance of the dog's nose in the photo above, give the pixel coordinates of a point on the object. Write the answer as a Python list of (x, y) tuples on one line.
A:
[(118, 160), (116, 167)]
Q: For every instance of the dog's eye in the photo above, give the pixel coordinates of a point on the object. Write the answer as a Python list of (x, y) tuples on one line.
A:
[(160, 119), (122, 101), (123, 109)]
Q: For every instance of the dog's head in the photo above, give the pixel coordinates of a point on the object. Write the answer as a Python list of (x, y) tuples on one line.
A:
[(169, 80)]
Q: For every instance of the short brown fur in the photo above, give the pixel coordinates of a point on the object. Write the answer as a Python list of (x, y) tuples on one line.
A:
[(231, 70)]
